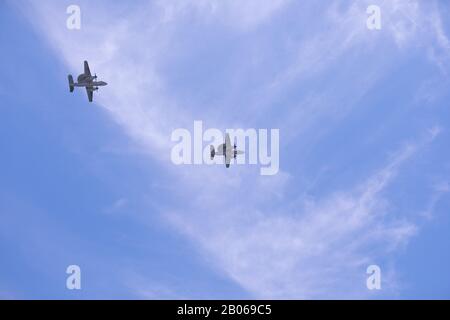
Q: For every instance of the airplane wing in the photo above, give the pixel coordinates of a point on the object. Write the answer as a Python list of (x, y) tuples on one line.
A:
[(90, 93), (227, 160), (228, 143), (87, 71), (228, 150)]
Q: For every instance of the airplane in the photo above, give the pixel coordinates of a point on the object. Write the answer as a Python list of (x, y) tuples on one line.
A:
[(225, 149), (86, 80)]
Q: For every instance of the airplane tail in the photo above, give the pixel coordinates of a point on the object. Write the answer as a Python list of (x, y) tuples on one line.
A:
[(71, 84), (213, 152)]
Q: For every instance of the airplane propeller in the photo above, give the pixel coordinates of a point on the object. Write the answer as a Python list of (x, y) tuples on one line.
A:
[(236, 151)]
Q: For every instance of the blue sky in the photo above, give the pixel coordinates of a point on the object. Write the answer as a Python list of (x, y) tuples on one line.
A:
[(364, 159)]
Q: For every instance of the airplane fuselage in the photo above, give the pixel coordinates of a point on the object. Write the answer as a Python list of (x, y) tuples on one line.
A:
[(88, 81), (85, 78), (222, 150)]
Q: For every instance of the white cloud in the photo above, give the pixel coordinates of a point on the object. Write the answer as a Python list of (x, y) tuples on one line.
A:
[(243, 15), (441, 189)]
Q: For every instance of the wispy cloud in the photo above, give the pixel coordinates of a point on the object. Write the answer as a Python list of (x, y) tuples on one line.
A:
[(241, 15), (440, 190), (309, 247), (272, 243)]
